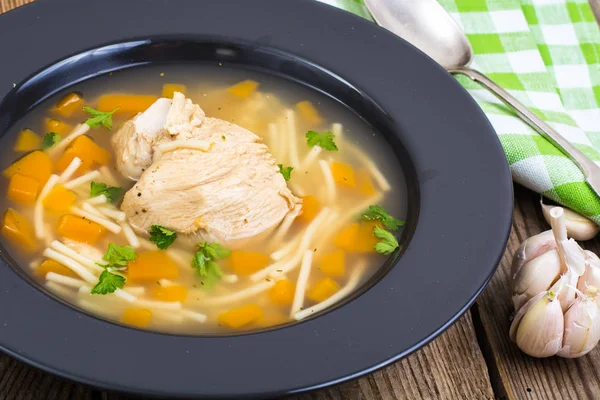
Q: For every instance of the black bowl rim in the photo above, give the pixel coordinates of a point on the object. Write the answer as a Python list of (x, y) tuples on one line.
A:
[(457, 243)]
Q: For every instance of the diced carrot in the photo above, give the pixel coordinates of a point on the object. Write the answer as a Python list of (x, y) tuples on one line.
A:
[(272, 319), (52, 266), (170, 293), (334, 263), (27, 140), (243, 89), (22, 189), (343, 174), (127, 103), (18, 230), (68, 105), (282, 293), (238, 317), (322, 290), (309, 113), (364, 184), (170, 88), (79, 229), (152, 266), (87, 150), (36, 165), (247, 262), (365, 239), (138, 317), (56, 126), (358, 237), (310, 208), (346, 239), (60, 199)]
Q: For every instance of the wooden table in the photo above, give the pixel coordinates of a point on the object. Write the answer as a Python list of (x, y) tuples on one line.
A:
[(474, 359)]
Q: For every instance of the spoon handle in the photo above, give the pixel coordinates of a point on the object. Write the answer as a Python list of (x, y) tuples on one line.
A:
[(589, 169)]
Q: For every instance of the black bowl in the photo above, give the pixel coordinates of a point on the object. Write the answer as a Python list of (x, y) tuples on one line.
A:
[(459, 191)]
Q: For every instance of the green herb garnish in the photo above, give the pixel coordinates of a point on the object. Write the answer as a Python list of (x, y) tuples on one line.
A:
[(118, 255), (99, 118), (325, 140), (50, 139), (108, 283), (387, 242), (205, 262), (162, 236), (112, 193), (378, 213), (285, 171)]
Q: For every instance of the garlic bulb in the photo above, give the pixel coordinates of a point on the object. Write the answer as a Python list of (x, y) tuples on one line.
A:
[(582, 326), (578, 226), (550, 275), (538, 327)]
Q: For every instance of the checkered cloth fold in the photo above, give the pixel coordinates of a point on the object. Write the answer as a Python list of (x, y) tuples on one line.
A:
[(547, 54)]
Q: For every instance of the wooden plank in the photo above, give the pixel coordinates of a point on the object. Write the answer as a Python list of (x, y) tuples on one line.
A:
[(451, 367), (19, 381), (514, 374)]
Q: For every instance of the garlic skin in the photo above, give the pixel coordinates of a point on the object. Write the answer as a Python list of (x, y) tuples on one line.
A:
[(578, 226), (591, 276), (571, 254), (538, 330), (565, 289), (582, 326), (532, 248), (536, 276)]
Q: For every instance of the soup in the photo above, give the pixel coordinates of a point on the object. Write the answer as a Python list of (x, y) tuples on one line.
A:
[(199, 199)]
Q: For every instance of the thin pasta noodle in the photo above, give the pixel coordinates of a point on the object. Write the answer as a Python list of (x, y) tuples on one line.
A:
[(329, 181), (297, 189), (302, 281), (284, 266), (91, 209), (381, 180), (71, 264), (79, 130), (70, 170), (135, 290), (83, 179), (93, 307), (123, 295), (130, 235), (100, 199), (230, 278), (337, 130), (286, 224), (343, 292), (310, 158), (109, 212), (38, 208), (159, 305), (111, 226), (202, 145), (273, 140), (290, 118), (69, 252), (283, 138), (168, 316), (56, 288), (285, 250), (239, 296), (194, 316), (64, 280)]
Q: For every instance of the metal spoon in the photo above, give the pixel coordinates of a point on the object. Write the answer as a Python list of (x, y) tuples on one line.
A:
[(426, 25)]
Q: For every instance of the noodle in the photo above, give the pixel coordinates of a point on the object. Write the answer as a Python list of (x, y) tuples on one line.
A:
[(38, 208), (101, 199), (64, 280), (195, 316), (71, 264), (302, 281), (130, 235), (69, 252), (291, 131), (70, 170), (83, 179), (117, 215), (111, 226), (329, 181), (79, 130), (238, 296), (364, 159)]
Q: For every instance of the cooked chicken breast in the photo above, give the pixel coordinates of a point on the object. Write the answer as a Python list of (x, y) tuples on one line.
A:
[(198, 175)]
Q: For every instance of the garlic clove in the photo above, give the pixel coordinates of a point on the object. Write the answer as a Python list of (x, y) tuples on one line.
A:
[(536, 276), (540, 330), (591, 256), (565, 289), (568, 249), (532, 248), (519, 315), (591, 277), (578, 226), (582, 326)]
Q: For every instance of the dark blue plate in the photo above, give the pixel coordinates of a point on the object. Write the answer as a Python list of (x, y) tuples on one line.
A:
[(459, 191)]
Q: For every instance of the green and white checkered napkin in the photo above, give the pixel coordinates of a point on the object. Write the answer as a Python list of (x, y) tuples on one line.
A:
[(547, 54)]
